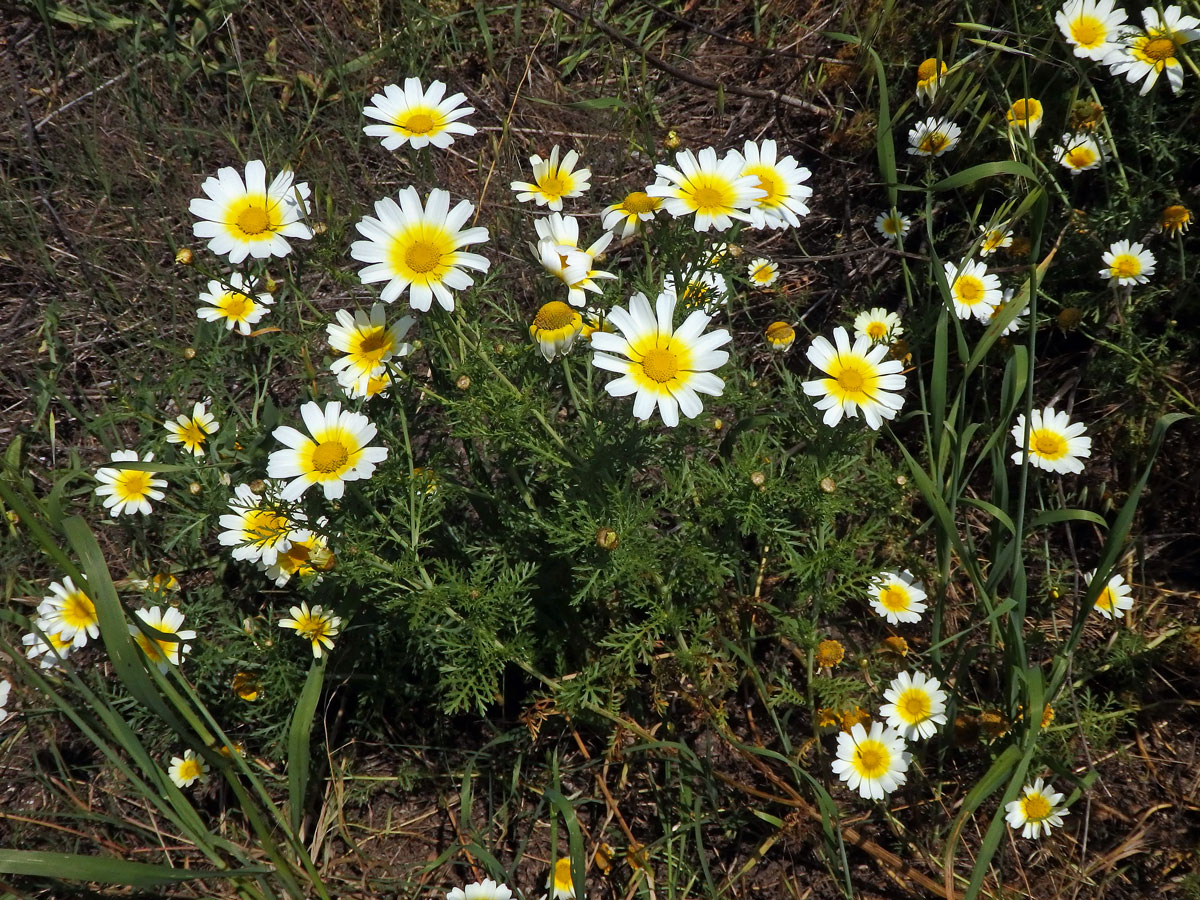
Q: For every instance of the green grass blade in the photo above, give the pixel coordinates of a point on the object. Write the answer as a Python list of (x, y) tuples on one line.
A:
[(105, 871), (298, 741)]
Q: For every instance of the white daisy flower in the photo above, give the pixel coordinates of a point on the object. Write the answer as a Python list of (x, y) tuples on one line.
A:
[(235, 302), (929, 73), (555, 328), (336, 453), (933, 137), (1114, 599), (318, 626), (780, 335), (631, 214), (664, 366), (304, 558), (716, 192), (781, 182), (1025, 115), (560, 883), (52, 648), (897, 596), (858, 377), (192, 431), (165, 650), (417, 248), (974, 291), (1036, 810), (916, 705), (893, 225), (127, 490), (875, 763), (877, 325), (258, 527), (1079, 152), (1091, 27), (1018, 321), (248, 218), (994, 239), (69, 614), (762, 272), (375, 386), (1054, 443), (480, 890), (702, 290), (559, 252), (1146, 54), (552, 181), (1127, 263), (417, 117), (186, 770), (368, 341)]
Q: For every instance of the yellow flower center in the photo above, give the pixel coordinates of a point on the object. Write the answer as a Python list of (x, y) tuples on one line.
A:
[(894, 598), (157, 651), (1106, 600), (1080, 157), (762, 273), (1088, 31), (419, 123), (423, 256), (554, 185), (770, 182), (236, 306), (190, 768), (553, 316), (192, 434), (829, 654), (253, 219), (892, 225), (1174, 217), (1023, 110), (562, 875), (877, 331), (640, 203), (660, 364), (968, 289), (697, 293), (780, 333), (1126, 266), (246, 686), (330, 457), (871, 759), (914, 706), (851, 381), (1159, 49), (265, 527), (1048, 444), (929, 69), (78, 611), (132, 483), (374, 345), (1035, 807), (934, 142)]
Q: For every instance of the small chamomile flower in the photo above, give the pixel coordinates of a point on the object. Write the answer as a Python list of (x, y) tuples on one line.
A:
[(631, 213), (897, 596), (555, 328), (994, 239), (1079, 152), (973, 290), (929, 73), (857, 378), (1036, 810), (560, 883), (258, 527), (1092, 27), (552, 181), (762, 272), (892, 225), (417, 117), (368, 341), (715, 191), (933, 137), (560, 254), (52, 648), (1127, 263), (68, 613), (480, 890), (316, 625), (305, 550), (186, 770), (781, 183), (1175, 219), (192, 431), (916, 705), (236, 302), (127, 490), (1018, 321), (163, 651), (1025, 115), (336, 452), (250, 218), (874, 763), (1115, 598), (780, 335), (877, 325), (1147, 53), (1055, 444)]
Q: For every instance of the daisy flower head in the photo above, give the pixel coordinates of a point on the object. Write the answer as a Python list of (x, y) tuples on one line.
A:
[(417, 248), (929, 73), (666, 367), (250, 218), (480, 890), (316, 625), (781, 182), (873, 763), (555, 328), (596, 321), (933, 137), (1079, 152), (1147, 53), (559, 253), (715, 191), (1025, 115), (368, 341), (127, 490), (69, 614), (877, 325), (52, 648), (780, 335), (994, 239), (416, 116), (336, 452), (627, 216), (1018, 321), (1091, 27), (701, 290), (1036, 810), (258, 527), (186, 770), (892, 225), (163, 651), (1115, 598), (1175, 219), (306, 557), (561, 884), (192, 431), (762, 272), (376, 385), (236, 302), (916, 705), (858, 378), (553, 181), (1054, 442), (974, 291), (1127, 263), (898, 597)]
